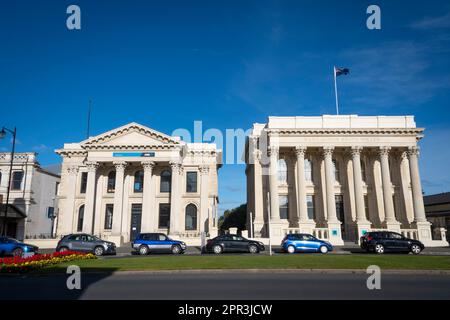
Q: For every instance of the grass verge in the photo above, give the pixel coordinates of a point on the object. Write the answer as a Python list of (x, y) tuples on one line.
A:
[(299, 261)]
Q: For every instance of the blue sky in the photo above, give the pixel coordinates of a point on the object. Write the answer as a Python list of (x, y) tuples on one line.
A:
[(229, 63)]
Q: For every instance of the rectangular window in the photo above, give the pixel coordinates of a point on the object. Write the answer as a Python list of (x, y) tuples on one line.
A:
[(308, 170), (16, 183), (336, 170), (164, 215), (284, 207), (191, 181), (310, 206), (83, 185), (109, 216)]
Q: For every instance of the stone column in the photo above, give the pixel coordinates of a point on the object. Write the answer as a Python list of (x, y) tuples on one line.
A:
[(67, 214), (273, 184), (148, 199), (305, 224), (420, 220), (88, 221), (334, 225), (329, 182), (390, 221), (204, 190), (362, 224), (118, 199), (175, 198)]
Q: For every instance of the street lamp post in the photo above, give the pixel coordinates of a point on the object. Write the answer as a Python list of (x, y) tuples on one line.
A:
[(2, 135)]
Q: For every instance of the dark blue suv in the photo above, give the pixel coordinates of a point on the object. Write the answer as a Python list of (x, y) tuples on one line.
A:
[(13, 247), (157, 242), (305, 243)]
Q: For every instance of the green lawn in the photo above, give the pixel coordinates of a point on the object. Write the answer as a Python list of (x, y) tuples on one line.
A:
[(299, 261)]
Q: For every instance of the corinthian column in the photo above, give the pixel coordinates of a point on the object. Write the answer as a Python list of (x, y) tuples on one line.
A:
[(329, 181), (88, 221), (175, 198), (388, 201), (419, 209), (301, 188), (118, 197), (273, 184), (358, 182), (148, 198)]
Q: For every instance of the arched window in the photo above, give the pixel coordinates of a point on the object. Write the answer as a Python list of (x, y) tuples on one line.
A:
[(166, 179), (282, 171), (80, 218), (191, 217), (139, 181), (111, 182), (308, 170), (336, 170)]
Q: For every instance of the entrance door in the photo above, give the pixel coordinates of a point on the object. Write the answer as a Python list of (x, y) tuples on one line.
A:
[(136, 214), (11, 228), (340, 212)]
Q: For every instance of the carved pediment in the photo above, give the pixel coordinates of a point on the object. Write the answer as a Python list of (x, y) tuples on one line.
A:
[(132, 134)]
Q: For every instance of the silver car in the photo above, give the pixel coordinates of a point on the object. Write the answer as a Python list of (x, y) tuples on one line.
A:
[(86, 243)]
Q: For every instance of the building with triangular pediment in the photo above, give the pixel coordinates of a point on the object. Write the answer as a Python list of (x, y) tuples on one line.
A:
[(134, 179)]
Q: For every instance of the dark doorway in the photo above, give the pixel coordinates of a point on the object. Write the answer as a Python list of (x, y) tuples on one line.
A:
[(136, 215), (340, 212), (11, 228)]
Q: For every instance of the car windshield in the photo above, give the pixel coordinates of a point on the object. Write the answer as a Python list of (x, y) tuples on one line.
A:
[(12, 240)]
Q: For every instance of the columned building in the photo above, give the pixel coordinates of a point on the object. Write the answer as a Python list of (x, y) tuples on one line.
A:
[(134, 179), (336, 177)]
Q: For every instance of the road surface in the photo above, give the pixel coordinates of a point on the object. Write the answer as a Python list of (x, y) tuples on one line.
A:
[(227, 285)]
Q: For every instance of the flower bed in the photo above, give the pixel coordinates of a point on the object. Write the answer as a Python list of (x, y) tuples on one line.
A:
[(38, 261)]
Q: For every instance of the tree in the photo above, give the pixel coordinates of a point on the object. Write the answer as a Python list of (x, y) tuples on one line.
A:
[(234, 218)]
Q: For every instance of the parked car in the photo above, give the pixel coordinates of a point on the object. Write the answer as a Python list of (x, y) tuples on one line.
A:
[(86, 243), (146, 243), (383, 241), (233, 243), (13, 247), (293, 243)]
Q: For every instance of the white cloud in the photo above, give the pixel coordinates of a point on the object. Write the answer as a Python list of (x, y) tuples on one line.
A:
[(429, 23)]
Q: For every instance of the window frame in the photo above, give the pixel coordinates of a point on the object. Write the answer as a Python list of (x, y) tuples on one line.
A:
[(168, 207), (284, 207), (138, 174), (14, 181), (111, 182), (195, 218), (167, 176), (109, 216), (195, 188)]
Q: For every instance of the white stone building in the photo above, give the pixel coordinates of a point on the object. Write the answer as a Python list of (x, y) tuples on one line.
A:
[(134, 179), (336, 177), (32, 196)]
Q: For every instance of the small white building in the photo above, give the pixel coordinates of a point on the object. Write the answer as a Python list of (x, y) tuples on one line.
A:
[(336, 177), (32, 200), (134, 179)]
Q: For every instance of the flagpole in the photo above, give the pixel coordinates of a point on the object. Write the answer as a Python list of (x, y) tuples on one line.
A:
[(335, 91)]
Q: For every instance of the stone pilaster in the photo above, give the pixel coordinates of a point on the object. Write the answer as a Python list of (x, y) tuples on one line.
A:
[(148, 198), (305, 224), (175, 198), (273, 184), (88, 221), (204, 190), (67, 215)]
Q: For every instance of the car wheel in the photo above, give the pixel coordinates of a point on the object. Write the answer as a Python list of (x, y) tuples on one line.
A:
[(99, 251), (415, 249), (323, 249), (217, 249), (17, 252), (63, 249), (176, 249), (143, 250), (253, 249), (291, 249), (379, 248)]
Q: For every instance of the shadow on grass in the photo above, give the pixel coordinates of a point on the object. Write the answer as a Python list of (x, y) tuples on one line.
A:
[(48, 284)]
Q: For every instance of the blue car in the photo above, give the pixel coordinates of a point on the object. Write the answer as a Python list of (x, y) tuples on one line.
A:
[(13, 247), (305, 243), (146, 243)]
